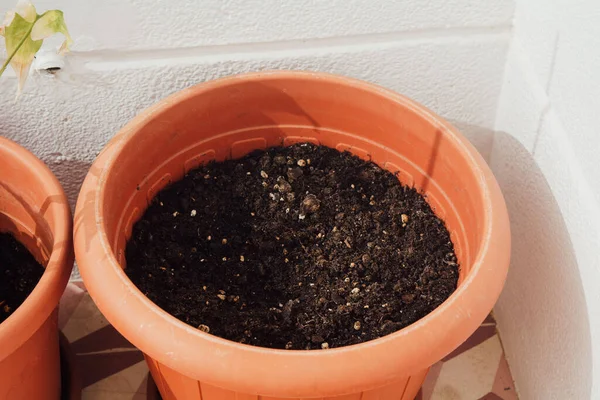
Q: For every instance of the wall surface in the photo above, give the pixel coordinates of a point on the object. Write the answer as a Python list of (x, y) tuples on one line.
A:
[(545, 158), (129, 54)]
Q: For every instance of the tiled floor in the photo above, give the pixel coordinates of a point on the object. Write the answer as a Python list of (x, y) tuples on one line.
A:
[(112, 368)]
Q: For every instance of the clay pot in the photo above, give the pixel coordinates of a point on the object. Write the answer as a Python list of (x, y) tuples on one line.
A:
[(233, 116), (34, 208)]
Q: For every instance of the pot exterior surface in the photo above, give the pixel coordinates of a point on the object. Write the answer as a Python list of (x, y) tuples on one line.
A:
[(175, 386), (230, 117), (34, 208), (33, 370)]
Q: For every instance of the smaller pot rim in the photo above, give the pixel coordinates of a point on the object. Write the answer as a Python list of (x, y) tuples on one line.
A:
[(384, 357), (44, 298)]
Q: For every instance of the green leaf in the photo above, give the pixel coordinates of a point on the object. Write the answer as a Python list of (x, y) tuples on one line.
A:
[(50, 23), (20, 47), (24, 32)]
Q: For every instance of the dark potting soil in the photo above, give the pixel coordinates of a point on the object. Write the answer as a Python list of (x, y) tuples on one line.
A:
[(19, 273), (302, 247)]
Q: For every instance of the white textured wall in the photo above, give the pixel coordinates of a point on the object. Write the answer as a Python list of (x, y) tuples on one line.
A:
[(545, 156), (162, 24), (131, 53)]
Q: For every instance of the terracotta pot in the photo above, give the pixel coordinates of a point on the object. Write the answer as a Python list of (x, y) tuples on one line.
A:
[(229, 118), (34, 208)]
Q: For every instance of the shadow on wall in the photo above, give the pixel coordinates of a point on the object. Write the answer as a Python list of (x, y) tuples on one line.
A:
[(542, 313), (70, 174)]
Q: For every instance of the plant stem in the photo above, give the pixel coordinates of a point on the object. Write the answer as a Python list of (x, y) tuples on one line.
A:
[(10, 57)]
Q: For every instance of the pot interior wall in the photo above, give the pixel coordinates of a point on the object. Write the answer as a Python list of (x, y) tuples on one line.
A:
[(24, 206), (229, 121)]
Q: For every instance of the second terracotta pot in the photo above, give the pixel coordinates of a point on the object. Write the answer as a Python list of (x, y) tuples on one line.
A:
[(233, 116), (34, 208)]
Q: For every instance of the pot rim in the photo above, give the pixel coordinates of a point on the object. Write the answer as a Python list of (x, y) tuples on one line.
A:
[(44, 298), (349, 361)]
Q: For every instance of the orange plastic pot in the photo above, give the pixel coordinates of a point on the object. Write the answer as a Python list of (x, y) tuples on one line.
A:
[(34, 208), (229, 118)]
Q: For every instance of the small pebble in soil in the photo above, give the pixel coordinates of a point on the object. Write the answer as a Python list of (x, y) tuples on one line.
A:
[(311, 255), (283, 186), (310, 204)]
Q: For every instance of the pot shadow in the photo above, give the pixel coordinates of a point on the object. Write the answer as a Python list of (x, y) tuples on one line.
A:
[(542, 313), (70, 174)]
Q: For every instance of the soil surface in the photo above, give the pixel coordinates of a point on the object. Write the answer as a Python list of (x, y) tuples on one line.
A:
[(19, 273), (302, 247)]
